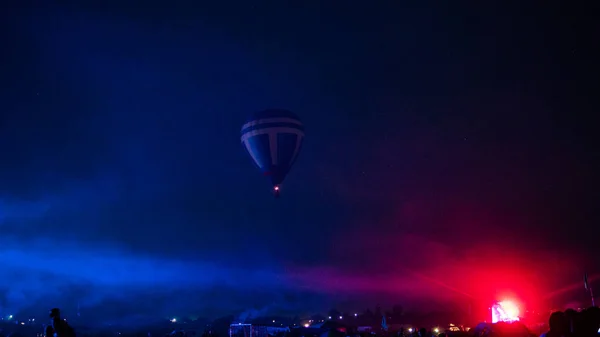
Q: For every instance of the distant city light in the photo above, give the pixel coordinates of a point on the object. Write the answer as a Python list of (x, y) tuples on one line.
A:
[(174, 320), (355, 315), (410, 330), (273, 321), (341, 317), (436, 330), (329, 317), (306, 325), (22, 323), (10, 316)]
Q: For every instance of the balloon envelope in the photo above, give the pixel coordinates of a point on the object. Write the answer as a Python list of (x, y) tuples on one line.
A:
[(273, 138)]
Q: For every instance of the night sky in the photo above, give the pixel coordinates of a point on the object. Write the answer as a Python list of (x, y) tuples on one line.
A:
[(450, 156)]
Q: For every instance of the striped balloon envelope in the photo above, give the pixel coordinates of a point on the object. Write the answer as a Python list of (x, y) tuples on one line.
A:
[(273, 138)]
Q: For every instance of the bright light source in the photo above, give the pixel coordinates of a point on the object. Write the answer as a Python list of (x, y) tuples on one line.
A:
[(306, 325), (174, 320), (273, 321), (505, 311), (276, 188), (9, 316), (355, 315), (409, 329), (329, 317), (341, 317), (436, 330)]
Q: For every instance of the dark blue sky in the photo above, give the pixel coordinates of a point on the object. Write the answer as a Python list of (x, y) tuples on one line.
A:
[(441, 140)]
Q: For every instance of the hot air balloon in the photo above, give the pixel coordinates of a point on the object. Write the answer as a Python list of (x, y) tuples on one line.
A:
[(273, 138)]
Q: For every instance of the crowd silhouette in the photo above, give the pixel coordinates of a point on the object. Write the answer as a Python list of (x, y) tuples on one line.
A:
[(585, 323), (568, 323)]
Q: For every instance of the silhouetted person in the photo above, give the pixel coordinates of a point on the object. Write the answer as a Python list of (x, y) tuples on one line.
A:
[(60, 326), (49, 331), (590, 322), (558, 325), (573, 321)]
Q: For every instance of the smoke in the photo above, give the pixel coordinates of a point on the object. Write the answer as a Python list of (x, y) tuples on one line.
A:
[(147, 174), (49, 273), (420, 272), (250, 314)]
